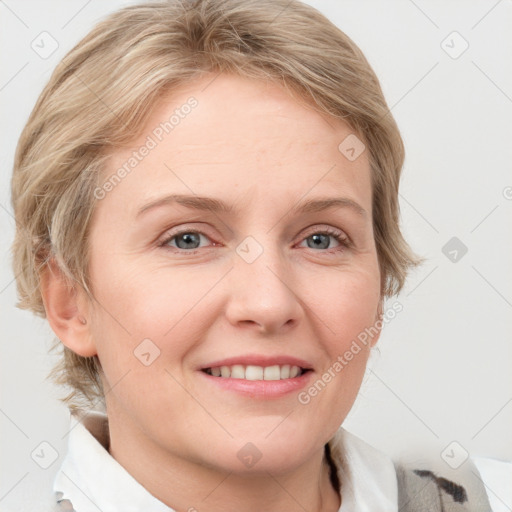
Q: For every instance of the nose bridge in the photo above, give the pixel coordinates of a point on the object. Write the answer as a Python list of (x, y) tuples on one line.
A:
[(262, 290), (260, 263)]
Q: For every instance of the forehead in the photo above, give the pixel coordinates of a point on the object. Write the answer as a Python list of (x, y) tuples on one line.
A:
[(237, 137)]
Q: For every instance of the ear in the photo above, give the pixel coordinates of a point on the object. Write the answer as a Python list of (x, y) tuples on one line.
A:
[(67, 310), (378, 322)]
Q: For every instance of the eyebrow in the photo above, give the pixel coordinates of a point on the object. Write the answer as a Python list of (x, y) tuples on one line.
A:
[(215, 205)]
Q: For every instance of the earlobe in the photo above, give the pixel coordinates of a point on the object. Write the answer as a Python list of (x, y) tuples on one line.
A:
[(65, 310)]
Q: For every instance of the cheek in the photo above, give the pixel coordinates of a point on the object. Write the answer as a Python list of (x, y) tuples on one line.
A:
[(347, 303), (348, 311), (150, 301), (134, 306)]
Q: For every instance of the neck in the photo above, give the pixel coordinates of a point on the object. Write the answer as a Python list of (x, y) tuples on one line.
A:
[(187, 485)]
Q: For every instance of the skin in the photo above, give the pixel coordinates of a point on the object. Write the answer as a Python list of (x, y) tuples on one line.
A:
[(253, 146)]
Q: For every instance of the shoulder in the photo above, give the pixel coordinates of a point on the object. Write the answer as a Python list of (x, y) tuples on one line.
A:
[(427, 484), (412, 484)]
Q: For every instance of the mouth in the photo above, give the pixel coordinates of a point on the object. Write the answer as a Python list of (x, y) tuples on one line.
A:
[(255, 373), (259, 377)]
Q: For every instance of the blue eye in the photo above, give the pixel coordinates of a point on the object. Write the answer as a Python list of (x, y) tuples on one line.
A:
[(190, 241), (322, 240), (185, 240)]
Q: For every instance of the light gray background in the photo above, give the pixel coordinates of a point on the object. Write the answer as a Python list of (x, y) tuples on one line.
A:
[(443, 370)]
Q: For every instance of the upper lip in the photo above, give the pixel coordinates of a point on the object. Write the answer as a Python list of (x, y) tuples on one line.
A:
[(259, 360)]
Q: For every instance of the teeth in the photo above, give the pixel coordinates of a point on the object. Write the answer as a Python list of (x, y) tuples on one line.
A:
[(251, 372), (272, 373), (294, 371), (237, 371)]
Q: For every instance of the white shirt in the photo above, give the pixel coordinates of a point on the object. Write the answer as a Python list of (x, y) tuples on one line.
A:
[(93, 480)]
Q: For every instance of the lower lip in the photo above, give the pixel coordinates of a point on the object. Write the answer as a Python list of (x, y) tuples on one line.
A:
[(266, 389)]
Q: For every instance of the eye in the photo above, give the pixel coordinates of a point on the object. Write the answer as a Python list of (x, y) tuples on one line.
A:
[(184, 240), (322, 239), (327, 239)]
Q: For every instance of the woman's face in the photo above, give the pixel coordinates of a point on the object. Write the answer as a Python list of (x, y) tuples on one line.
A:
[(240, 237)]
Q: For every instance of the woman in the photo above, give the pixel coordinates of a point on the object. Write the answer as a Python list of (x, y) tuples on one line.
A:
[(206, 197)]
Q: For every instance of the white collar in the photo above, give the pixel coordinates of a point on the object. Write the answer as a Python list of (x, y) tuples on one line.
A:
[(367, 475), (94, 481)]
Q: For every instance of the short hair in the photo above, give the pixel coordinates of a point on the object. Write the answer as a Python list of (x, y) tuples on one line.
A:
[(102, 92)]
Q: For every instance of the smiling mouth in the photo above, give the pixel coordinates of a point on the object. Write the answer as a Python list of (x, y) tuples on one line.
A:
[(252, 372)]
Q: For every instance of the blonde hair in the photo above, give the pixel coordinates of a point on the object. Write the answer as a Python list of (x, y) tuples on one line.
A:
[(104, 89)]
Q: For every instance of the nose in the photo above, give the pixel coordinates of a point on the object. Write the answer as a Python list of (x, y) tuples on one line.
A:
[(262, 293)]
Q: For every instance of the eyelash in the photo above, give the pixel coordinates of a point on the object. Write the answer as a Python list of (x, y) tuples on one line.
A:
[(339, 236)]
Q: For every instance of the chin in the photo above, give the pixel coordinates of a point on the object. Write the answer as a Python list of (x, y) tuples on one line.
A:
[(278, 453)]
